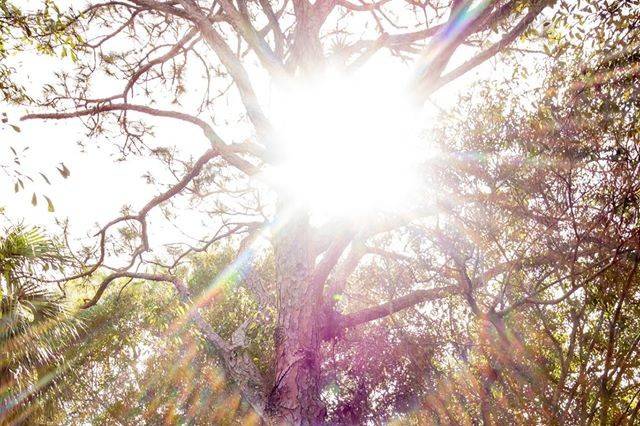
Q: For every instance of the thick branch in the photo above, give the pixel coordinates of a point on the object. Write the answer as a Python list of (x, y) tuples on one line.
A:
[(245, 28), (121, 107), (361, 7), (326, 265), (238, 73), (396, 305), (494, 49)]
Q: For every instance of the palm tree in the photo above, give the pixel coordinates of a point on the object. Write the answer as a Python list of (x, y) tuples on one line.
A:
[(34, 320)]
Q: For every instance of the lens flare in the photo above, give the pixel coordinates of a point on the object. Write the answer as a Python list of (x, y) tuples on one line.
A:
[(347, 149)]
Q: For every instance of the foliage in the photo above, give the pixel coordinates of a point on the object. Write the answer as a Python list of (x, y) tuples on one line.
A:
[(35, 321), (139, 361), (47, 30)]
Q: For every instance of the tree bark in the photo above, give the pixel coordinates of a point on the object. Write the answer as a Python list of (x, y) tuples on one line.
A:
[(295, 396)]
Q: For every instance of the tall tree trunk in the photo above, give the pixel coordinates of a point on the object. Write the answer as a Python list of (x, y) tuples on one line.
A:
[(295, 396)]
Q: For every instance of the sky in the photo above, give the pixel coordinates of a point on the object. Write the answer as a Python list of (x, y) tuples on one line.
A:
[(99, 185)]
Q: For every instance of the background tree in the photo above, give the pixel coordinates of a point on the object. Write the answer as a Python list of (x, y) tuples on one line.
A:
[(35, 321), (137, 340)]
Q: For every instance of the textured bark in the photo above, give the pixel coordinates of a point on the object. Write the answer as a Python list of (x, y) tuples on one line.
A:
[(295, 395)]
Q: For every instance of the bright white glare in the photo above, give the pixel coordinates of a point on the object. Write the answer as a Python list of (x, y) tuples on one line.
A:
[(349, 144)]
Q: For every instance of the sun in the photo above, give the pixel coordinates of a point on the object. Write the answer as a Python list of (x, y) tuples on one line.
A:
[(350, 143)]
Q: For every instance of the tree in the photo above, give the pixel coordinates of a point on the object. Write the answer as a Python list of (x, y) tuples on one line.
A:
[(496, 251), (34, 323)]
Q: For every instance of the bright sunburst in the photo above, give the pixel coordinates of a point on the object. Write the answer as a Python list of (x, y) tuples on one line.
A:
[(350, 143)]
